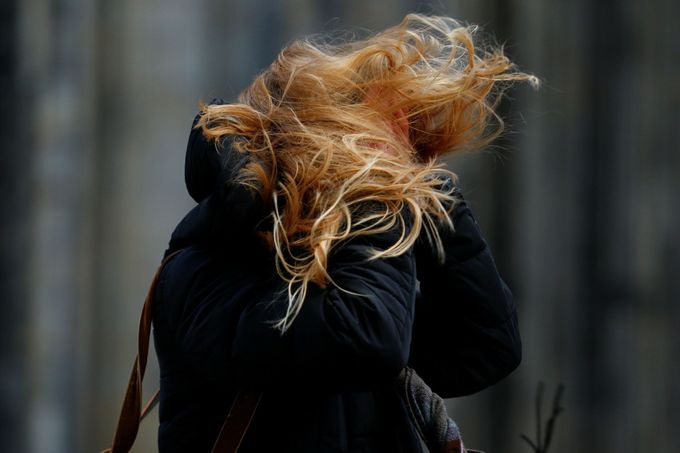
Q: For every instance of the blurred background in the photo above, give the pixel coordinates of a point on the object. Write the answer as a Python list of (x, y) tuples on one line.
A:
[(579, 202)]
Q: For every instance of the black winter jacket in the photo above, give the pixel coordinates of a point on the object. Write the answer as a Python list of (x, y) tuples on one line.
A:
[(327, 380)]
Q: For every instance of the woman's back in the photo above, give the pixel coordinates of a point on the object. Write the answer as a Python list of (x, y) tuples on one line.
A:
[(199, 297), (326, 380)]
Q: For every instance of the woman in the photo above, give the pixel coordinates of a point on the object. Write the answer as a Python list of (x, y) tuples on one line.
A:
[(329, 248)]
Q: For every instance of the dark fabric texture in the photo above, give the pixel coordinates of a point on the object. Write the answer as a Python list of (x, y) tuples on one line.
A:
[(466, 333), (327, 381)]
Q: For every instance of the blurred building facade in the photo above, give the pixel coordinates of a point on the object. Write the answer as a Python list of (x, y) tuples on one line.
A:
[(581, 207)]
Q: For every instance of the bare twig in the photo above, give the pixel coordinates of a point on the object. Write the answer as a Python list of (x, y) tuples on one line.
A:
[(556, 410), (529, 441), (543, 442), (537, 408)]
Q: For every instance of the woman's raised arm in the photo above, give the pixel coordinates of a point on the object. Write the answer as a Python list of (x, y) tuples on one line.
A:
[(339, 340), (466, 335)]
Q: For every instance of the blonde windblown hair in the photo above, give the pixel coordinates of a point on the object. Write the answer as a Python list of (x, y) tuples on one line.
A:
[(331, 128)]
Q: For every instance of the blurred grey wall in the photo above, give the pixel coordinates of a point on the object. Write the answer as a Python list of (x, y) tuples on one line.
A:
[(578, 201)]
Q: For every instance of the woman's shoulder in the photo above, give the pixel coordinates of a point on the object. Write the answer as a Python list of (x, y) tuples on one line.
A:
[(202, 290), (198, 265)]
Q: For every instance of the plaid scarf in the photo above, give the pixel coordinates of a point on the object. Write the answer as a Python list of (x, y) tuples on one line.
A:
[(428, 413)]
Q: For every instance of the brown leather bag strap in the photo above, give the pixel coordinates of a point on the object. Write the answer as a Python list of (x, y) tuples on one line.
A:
[(148, 407), (131, 413), (237, 422)]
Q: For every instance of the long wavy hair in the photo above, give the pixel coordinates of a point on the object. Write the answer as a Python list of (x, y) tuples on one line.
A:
[(342, 138)]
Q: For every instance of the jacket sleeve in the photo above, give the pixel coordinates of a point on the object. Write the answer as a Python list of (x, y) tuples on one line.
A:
[(465, 335), (339, 341)]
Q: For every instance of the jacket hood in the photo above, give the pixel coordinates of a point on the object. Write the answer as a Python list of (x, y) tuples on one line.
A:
[(227, 212), (202, 162)]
